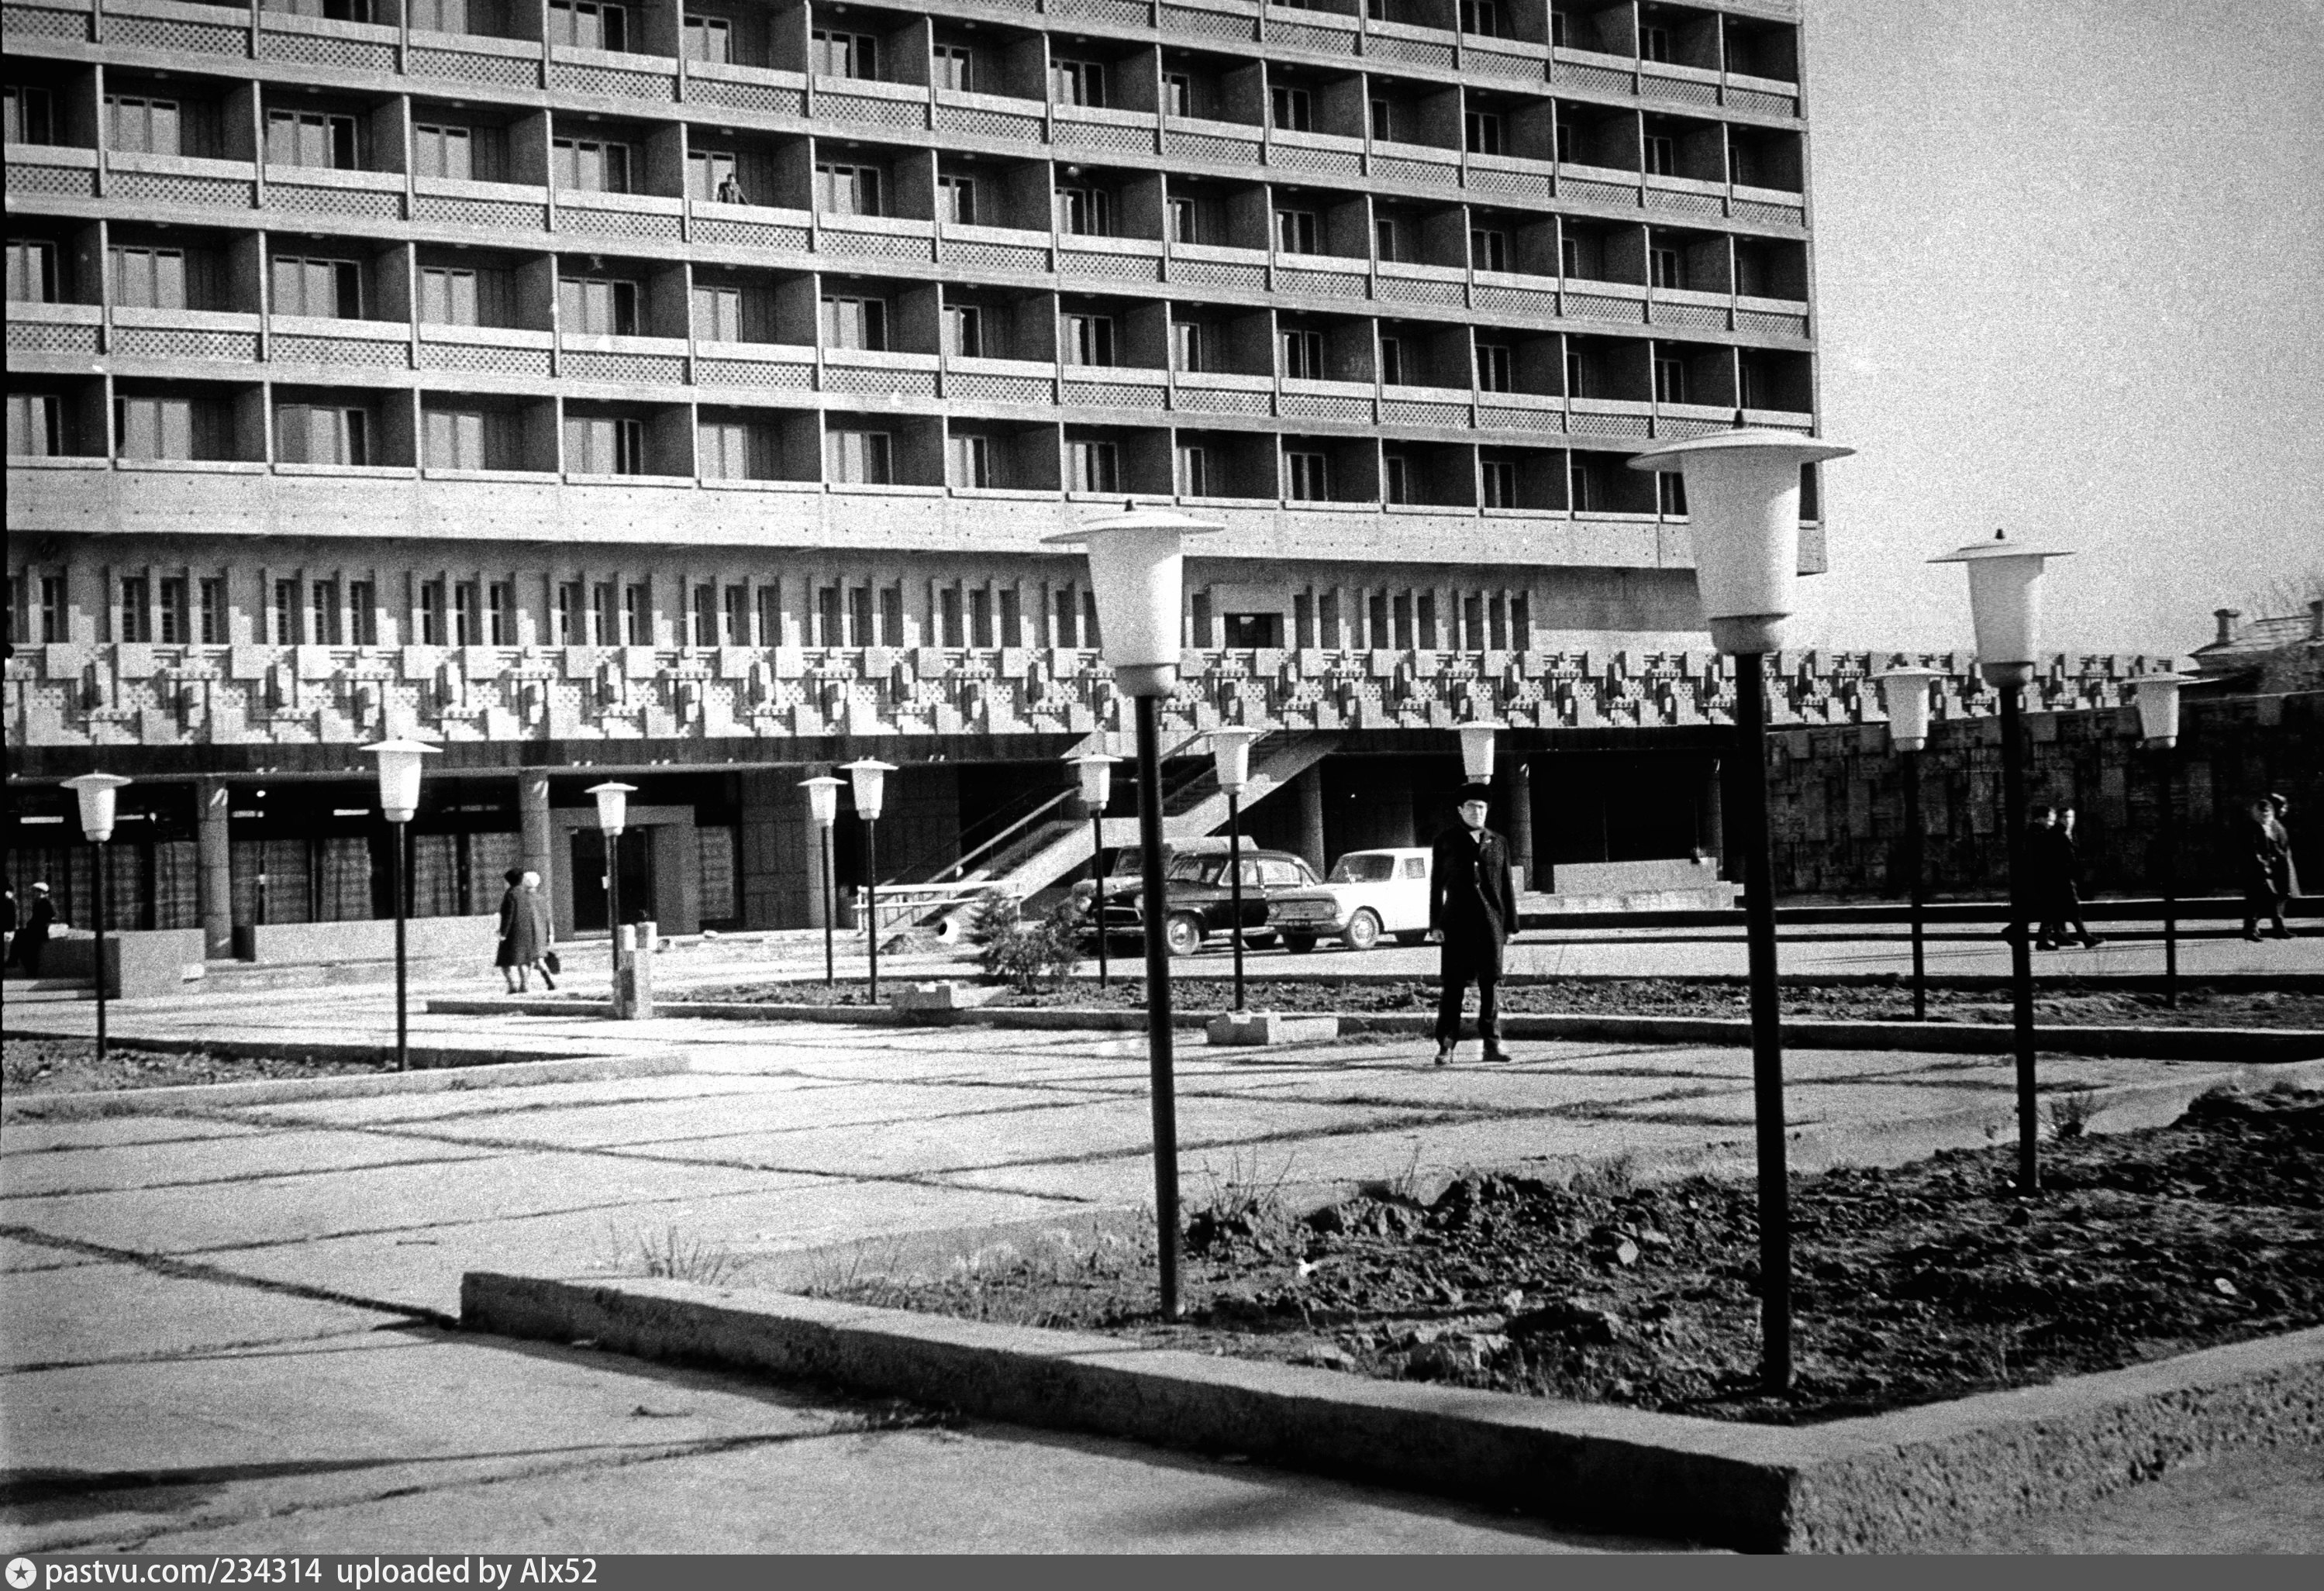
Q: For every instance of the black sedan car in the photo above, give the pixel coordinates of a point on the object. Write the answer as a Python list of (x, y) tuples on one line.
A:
[(1200, 901)]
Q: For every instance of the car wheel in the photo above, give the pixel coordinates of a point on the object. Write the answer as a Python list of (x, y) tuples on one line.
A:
[(1183, 935), (1299, 944), (1409, 939), (1363, 930), (1262, 941)]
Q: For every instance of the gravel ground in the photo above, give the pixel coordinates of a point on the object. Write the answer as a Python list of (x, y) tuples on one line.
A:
[(1914, 1285), (70, 1066)]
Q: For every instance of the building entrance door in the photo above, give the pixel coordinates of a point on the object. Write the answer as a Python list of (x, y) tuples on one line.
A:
[(589, 877)]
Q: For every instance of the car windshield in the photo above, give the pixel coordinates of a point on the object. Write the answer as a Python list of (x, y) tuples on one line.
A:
[(1364, 867)]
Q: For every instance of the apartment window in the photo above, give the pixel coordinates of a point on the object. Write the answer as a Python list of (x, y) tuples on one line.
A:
[(829, 618), (1481, 17), (1481, 133), (321, 434), (136, 617), (1069, 613), (1077, 82), (1295, 110), (587, 26), (605, 444), (1569, 256), (1183, 226), (980, 617), (590, 166), (1488, 250), (1092, 467), (35, 426), (1303, 353), (1089, 340), (856, 323), (637, 615), (1670, 381), (963, 330), (1580, 488), (736, 609), (710, 175), (467, 620), (136, 124), (847, 191), (212, 595), (282, 614), (956, 200), (1177, 94), (1668, 268), (569, 614), (1383, 121), (1294, 231), (954, 65), (770, 616), (1385, 241), (447, 297), (1751, 386), (442, 152), (310, 138), (948, 626), (32, 272), (452, 439), (705, 617), (31, 114), (332, 288), (1493, 366), (53, 609), (710, 39), (1670, 492), (968, 461), (1562, 132), (323, 622), (1499, 478), (718, 313), (439, 16), (1193, 471), (148, 278), (598, 306), (1086, 212), (842, 55), (154, 427), (1397, 484), (362, 612), (1391, 360), (857, 458), (1662, 156), (1654, 43), (1186, 345), (602, 615), (1310, 481), (891, 615)]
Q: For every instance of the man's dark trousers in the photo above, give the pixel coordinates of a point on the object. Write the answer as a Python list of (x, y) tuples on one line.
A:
[(1472, 903)]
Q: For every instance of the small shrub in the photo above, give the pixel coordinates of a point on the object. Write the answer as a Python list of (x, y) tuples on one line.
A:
[(2069, 1115), (686, 1259), (1031, 957)]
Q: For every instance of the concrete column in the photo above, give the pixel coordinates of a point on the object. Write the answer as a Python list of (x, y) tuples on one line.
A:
[(1521, 819), (1714, 815), (214, 868), (537, 845), (1309, 790)]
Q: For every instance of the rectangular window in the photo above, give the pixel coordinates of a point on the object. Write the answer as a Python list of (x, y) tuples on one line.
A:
[(718, 313), (1089, 340), (956, 200), (31, 114), (710, 175), (572, 616), (1310, 481), (723, 450), (500, 614), (859, 617), (1092, 467), (856, 323), (1670, 492), (828, 618), (1569, 256), (321, 434), (214, 613), (1654, 43), (736, 617), (598, 306), (605, 444), (1078, 82), (842, 55), (1662, 156), (587, 24), (637, 615), (1498, 477), (154, 427), (1068, 614), (136, 616), (704, 617), (282, 614), (329, 288), (980, 618), (1580, 495), (135, 124), (310, 138), (963, 330), (1303, 353), (1183, 226), (1391, 360), (1481, 17), (1295, 231), (1488, 250), (323, 612), (1193, 471), (603, 618), (1396, 485), (447, 297), (1670, 381), (954, 65), (53, 609), (439, 16), (892, 616), (362, 612), (1295, 110), (452, 439), (1011, 618), (1383, 121), (948, 625), (710, 39), (1565, 138), (588, 165), (1493, 367), (1186, 345), (770, 616), (968, 461), (442, 152), (35, 429), (148, 278), (1669, 268), (1481, 133), (1385, 241), (467, 621), (1086, 212), (32, 272), (847, 191), (1177, 94), (857, 458)]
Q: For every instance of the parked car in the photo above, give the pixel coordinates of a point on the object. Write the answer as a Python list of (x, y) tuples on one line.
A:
[(1369, 893), (1199, 896)]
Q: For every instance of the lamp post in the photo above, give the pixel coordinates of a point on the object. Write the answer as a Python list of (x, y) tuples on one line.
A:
[(1905, 694), (822, 811), (398, 799), (97, 793), (1137, 567), (1476, 750), (613, 817), (1743, 500), (870, 776), (1096, 769), (2157, 695), (2005, 601), (1230, 754)]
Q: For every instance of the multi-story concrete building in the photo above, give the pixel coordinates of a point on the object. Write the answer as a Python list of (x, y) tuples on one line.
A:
[(684, 390)]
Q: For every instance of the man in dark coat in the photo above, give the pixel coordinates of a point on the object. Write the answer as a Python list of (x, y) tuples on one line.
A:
[(31, 941), (1472, 903)]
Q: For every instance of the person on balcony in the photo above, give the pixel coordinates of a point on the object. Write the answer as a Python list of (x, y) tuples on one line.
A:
[(1473, 905)]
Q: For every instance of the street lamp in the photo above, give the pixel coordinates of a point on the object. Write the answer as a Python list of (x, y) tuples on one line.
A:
[(1096, 769), (822, 811), (1138, 569), (1476, 750), (870, 776), (95, 792), (613, 817), (2005, 602), (1230, 750), (1904, 692), (399, 798), (1743, 509), (2157, 695)]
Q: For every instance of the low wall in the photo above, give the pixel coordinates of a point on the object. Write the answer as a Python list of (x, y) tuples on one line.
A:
[(367, 940), (140, 963)]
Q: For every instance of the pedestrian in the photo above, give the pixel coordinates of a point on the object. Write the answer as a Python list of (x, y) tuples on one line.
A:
[(7, 922), (2057, 878), (2288, 882), (519, 947), (544, 934), (2267, 875), (1473, 905), (730, 192), (33, 938)]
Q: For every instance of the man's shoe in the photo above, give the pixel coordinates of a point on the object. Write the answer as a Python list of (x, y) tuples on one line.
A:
[(1445, 1055), (2092, 941), (2280, 932), (2252, 934), (2045, 945), (1494, 1053)]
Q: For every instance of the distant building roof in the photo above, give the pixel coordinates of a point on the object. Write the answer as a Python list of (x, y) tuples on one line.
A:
[(2240, 648)]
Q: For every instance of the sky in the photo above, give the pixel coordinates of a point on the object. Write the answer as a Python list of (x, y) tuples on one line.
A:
[(2069, 270)]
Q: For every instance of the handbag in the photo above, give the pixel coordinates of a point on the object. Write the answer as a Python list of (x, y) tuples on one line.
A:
[(550, 959)]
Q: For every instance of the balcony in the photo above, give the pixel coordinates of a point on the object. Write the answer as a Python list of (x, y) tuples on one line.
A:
[(161, 27), (620, 361), (1683, 196), (1443, 407), (1109, 258), (996, 248), (613, 74), (1609, 416), (314, 40), (1598, 185), (1767, 96), (876, 237), (746, 89), (486, 351), (1315, 152), (479, 207), (1444, 286), (1117, 386), (1690, 85), (63, 22), (181, 181), (1422, 47), (756, 366), (1210, 393), (1230, 143), (1505, 58), (319, 190), (1692, 419), (67, 332), (1769, 205), (749, 226), (1513, 292), (474, 57), (1208, 265), (367, 344), (999, 380), (1210, 20), (1674, 307), (1777, 317), (1323, 276), (1588, 69), (1531, 180), (1521, 411), (1321, 31), (1076, 128), (175, 334), (626, 217), (866, 102), (1417, 162), (989, 115), (1339, 402), (892, 376), (1617, 301)]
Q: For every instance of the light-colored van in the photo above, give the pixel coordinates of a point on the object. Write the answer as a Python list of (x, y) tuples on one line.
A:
[(1368, 893)]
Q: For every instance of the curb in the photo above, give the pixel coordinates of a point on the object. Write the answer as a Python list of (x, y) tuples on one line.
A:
[(435, 1072), (1890, 1483)]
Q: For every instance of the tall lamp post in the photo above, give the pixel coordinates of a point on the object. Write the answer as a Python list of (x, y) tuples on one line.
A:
[(822, 811), (871, 776), (1905, 694), (2158, 725), (96, 794), (1231, 755), (613, 817), (1138, 568), (1743, 509), (1096, 770), (1476, 750), (2005, 602), (399, 798)]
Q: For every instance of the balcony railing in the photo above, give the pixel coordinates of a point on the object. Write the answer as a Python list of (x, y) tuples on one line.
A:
[(314, 40), (65, 331), (313, 340), (487, 206), (995, 248), (621, 362), (746, 89), (610, 74), (749, 226), (183, 335), (1076, 128), (989, 115), (999, 380), (321, 190), (864, 374), (51, 170), (181, 181), (629, 217), (486, 351), (761, 366), (876, 237)]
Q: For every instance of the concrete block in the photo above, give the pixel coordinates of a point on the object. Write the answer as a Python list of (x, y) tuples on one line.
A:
[(1250, 1029)]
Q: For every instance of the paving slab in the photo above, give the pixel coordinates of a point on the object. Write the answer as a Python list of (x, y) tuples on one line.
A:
[(16, 1254), (34, 1137), (89, 1314), (393, 1109), (191, 1163)]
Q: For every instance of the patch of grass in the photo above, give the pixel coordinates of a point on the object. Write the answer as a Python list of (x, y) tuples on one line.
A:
[(680, 1258)]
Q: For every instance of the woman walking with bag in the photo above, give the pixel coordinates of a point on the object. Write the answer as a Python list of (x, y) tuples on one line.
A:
[(519, 931)]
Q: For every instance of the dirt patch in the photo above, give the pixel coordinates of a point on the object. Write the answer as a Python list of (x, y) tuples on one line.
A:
[(70, 1066), (1914, 1285)]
